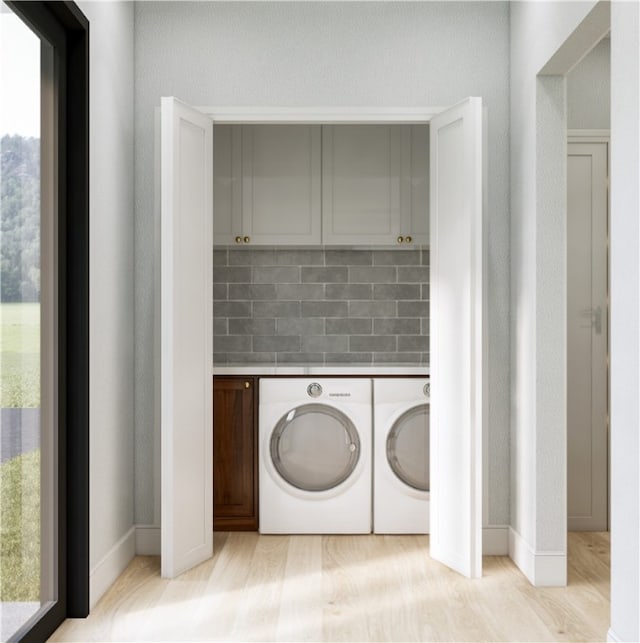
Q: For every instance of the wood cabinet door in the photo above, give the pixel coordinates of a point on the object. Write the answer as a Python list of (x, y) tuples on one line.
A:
[(235, 477)]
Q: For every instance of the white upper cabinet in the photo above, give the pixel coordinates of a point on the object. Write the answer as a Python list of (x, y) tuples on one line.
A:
[(375, 184), (312, 184), (414, 226), (361, 184), (227, 185), (268, 177)]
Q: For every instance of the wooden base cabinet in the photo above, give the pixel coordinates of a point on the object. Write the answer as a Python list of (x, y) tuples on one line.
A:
[(235, 462)]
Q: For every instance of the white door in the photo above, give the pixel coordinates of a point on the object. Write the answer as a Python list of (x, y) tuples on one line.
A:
[(186, 337), (587, 317), (457, 401)]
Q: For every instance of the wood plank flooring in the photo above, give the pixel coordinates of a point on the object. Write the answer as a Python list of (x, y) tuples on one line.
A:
[(348, 588)]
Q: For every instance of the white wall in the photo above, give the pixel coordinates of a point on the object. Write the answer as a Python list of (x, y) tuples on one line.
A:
[(324, 54), (111, 311), (625, 321), (538, 342), (589, 90)]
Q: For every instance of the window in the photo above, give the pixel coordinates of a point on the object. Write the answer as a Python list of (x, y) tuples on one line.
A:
[(43, 317)]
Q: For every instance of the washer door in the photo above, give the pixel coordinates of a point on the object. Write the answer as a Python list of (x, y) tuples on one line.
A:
[(315, 447), (408, 447)]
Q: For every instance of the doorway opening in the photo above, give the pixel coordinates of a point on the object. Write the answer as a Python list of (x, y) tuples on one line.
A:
[(561, 276)]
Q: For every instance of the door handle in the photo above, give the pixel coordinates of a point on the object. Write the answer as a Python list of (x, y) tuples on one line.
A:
[(595, 317)]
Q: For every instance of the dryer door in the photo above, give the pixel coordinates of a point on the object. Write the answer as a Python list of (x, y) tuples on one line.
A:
[(408, 447), (315, 447)]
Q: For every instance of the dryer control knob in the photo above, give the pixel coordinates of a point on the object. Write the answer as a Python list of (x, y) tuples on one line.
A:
[(314, 390), (427, 389)]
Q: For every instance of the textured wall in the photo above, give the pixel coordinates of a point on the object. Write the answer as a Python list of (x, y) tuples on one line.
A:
[(589, 90), (320, 306), (111, 387), (370, 54)]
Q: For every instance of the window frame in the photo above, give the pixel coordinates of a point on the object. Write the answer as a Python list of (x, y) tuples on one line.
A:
[(66, 28)]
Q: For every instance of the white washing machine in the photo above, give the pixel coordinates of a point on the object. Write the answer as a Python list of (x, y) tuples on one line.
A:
[(401, 456), (315, 456)]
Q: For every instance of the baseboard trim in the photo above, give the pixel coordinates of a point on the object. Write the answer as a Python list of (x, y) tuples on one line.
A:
[(103, 575), (542, 568), (495, 540), (613, 637), (147, 540)]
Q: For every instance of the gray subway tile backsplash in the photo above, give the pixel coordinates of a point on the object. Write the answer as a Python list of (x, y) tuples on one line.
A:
[(276, 275), (373, 274), (272, 309), (373, 309), (413, 309), (251, 292), (325, 275), (349, 292), (299, 291), (397, 258), (277, 343), (324, 308), (349, 326), (373, 343), (252, 326), (413, 274), (325, 344), (388, 291), (296, 305), (300, 326), (397, 326)]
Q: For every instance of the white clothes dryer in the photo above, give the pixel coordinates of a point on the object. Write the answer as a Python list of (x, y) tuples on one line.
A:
[(315, 456), (401, 456)]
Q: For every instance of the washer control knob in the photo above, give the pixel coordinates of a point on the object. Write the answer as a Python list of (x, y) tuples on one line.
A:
[(314, 390), (427, 389)]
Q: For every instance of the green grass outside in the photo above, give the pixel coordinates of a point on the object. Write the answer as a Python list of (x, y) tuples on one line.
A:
[(20, 476), (20, 528), (20, 355)]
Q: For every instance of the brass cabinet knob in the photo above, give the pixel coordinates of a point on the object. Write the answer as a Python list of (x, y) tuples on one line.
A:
[(408, 239), (247, 384), (238, 239), (400, 239), (246, 239)]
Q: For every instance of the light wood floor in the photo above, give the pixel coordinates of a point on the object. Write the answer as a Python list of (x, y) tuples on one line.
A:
[(348, 588)]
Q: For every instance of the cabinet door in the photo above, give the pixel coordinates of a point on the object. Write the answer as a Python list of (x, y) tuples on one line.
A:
[(227, 184), (281, 184), (414, 227), (235, 479), (361, 167)]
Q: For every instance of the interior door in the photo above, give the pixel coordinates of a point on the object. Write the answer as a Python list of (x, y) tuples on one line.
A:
[(186, 336), (587, 321), (457, 402)]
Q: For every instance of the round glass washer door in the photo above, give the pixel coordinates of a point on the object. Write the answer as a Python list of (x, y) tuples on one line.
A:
[(315, 447), (408, 447)]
